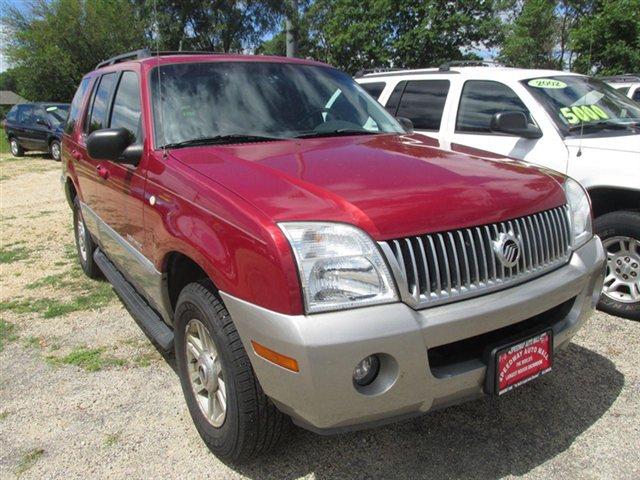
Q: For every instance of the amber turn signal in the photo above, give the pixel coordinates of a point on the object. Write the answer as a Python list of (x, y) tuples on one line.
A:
[(275, 357)]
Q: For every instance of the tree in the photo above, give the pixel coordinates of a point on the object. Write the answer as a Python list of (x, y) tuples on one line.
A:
[(218, 25), (54, 43), (531, 40), (608, 41), (8, 80)]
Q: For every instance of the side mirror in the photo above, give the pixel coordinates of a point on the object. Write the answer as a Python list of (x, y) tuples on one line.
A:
[(406, 124), (514, 123), (115, 145)]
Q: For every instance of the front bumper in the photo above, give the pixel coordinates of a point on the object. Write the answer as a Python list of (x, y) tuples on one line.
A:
[(327, 346)]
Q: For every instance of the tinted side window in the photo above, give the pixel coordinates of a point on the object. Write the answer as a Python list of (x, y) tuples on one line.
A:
[(636, 95), (98, 117), (126, 105), (480, 100), (12, 116), (394, 99), (423, 103), (374, 89), (25, 113), (76, 105)]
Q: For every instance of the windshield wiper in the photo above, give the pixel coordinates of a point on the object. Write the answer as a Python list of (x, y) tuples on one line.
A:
[(336, 133), (221, 140), (602, 125)]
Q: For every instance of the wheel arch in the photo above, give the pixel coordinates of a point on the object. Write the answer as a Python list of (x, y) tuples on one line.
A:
[(181, 270), (611, 199)]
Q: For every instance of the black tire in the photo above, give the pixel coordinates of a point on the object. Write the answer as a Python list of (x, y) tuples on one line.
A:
[(252, 424), (15, 148), (86, 261), (54, 150), (619, 224)]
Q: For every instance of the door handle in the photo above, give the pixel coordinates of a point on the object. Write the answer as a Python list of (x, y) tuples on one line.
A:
[(102, 171), (76, 154)]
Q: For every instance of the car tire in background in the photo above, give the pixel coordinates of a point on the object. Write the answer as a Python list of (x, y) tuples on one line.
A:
[(54, 150), (84, 243), (15, 148), (620, 235), (234, 417)]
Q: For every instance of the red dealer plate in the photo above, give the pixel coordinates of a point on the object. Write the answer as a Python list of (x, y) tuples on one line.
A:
[(522, 362)]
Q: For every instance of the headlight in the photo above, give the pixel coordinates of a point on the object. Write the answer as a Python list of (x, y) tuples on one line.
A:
[(579, 213), (339, 265)]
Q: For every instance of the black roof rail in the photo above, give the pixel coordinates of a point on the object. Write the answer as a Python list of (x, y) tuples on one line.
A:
[(624, 78), (445, 67), (146, 53), (364, 71)]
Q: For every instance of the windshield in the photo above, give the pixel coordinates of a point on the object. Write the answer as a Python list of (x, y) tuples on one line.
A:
[(260, 99), (584, 105), (57, 114)]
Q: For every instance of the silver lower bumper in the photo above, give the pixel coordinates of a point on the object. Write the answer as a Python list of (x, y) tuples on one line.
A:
[(322, 396)]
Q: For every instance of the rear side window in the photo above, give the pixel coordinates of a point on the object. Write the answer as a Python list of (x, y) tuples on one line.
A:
[(394, 98), (480, 100), (12, 116), (374, 89), (102, 97), (636, 95), (76, 105), (25, 113), (126, 105), (423, 102)]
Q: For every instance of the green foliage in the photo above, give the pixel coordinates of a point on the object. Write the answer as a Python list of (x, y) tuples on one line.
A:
[(531, 40), (28, 460), (89, 359), (7, 333), (15, 254), (608, 41), (54, 43)]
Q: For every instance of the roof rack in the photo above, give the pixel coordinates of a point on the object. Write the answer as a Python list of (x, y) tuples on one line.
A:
[(624, 78), (365, 71), (445, 67), (146, 53)]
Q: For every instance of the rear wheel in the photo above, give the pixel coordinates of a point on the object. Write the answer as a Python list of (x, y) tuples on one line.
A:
[(620, 234), (16, 149), (232, 414), (54, 150), (84, 243)]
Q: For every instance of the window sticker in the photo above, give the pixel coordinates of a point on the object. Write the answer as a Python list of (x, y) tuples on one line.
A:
[(51, 109), (583, 113), (546, 83)]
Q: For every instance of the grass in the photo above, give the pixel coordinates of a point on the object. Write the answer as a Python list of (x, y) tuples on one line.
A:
[(4, 144), (28, 460), (111, 439), (7, 333), (89, 359), (4, 415), (15, 254)]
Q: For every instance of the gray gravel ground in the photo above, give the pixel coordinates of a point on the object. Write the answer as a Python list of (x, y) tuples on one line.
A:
[(129, 420)]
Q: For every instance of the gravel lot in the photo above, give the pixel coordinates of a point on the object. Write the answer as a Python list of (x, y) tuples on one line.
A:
[(83, 394)]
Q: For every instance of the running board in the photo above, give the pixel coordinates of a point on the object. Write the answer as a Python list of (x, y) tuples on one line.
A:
[(142, 313)]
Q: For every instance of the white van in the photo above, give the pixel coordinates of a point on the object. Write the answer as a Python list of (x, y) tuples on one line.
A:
[(572, 123)]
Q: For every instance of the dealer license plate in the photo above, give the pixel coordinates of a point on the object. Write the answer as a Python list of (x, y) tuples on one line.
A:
[(521, 362)]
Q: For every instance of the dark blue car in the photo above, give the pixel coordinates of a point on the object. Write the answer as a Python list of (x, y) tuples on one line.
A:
[(36, 126)]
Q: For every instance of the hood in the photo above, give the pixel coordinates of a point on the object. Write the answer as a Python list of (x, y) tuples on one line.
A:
[(611, 143), (389, 185)]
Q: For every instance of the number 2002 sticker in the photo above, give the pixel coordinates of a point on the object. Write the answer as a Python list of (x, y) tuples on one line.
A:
[(546, 83), (583, 113)]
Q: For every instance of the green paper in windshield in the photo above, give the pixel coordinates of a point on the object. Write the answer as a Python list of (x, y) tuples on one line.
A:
[(583, 113), (546, 83), (51, 109)]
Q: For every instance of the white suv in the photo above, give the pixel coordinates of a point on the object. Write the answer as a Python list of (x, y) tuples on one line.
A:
[(571, 123), (626, 84)]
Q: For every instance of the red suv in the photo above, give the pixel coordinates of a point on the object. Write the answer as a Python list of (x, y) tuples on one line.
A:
[(307, 256)]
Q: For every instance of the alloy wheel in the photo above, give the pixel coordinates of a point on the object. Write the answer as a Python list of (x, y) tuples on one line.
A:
[(14, 148), (622, 281), (82, 245), (205, 373)]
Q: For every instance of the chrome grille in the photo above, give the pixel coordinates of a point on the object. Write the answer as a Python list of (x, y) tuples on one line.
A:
[(443, 267)]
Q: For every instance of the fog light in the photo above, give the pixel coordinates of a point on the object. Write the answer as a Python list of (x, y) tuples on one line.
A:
[(367, 370)]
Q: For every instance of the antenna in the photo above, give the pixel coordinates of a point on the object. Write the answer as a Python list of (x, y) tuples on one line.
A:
[(157, 32), (579, 153)]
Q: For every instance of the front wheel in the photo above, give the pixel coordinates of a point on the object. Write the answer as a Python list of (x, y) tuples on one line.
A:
[(54, 150), (620, 234), (84, 243), (16, 149), (234, 417)]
